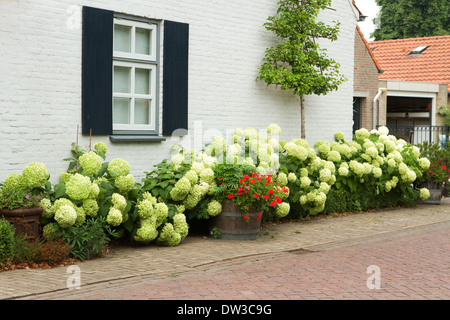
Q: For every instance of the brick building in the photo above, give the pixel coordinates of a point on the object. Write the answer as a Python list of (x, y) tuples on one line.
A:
[(133, 72), (369, 102)]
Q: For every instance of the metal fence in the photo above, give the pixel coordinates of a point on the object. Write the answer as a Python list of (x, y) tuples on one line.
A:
[(420, 134)]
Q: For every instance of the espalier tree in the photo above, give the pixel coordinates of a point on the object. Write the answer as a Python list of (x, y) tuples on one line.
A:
[(297, 62)]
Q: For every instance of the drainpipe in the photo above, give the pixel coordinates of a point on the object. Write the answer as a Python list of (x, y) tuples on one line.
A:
[(374, 108)]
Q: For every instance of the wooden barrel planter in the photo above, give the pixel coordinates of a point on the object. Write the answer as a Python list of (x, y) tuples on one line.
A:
[(231, 223), (25, 221), (435, 192)]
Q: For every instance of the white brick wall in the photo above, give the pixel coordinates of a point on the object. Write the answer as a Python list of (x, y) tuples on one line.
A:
[(40, 78)]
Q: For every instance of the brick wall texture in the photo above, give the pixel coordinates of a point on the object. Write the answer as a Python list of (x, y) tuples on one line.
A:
[(40, 78)]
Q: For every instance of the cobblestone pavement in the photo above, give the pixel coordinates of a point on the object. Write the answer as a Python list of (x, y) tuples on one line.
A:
[(336, 258)]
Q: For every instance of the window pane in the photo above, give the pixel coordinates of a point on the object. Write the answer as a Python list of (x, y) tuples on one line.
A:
[(121, 111), (143, 43), (122, 38), (142, 83), (142, 111), (122, 79)]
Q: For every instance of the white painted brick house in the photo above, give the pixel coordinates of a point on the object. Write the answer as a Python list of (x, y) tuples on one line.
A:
[(134, 70)]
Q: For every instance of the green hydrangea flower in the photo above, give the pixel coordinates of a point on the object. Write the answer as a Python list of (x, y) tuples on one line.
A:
[(35, 175), (343, 171), (180, 225), (292, 177), (324, 187), (95, 191), (46, 205), (62, 202), (325, 175), (145, 208), (334, 156), (118, 167), (125, 183), (304, 182), (192, 176), (146, 233), (90, 207), (78, 187), (161, 211), (362, 134), (356, 167), (148, 196), (214, 208), (13, 181), (91, 162), (339, 136), (282, 209), (274, 129), (207, 175), (114, 217), (100, 147), (282, 179), (81, 216), (65, 177), (191, 200), (66, 216), (296, 151), (424, 163), (377, 172), (169, 236), (181, 189), (119, 202), (424, 194)]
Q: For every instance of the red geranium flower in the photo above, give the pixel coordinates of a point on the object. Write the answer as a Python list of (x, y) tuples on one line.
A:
[(256, 196), (230, 196)]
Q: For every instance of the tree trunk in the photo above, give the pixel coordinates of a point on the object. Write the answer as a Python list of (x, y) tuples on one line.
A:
[(302, 114)]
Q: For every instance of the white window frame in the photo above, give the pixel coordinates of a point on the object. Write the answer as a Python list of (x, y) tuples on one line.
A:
[(139, 61)]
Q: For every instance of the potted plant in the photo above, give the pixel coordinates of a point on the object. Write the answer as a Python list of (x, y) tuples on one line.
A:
[(438, 174), (245, 195), (20, 197)]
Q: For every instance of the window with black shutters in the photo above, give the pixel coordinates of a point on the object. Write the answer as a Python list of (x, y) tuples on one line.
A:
[(121, 79)]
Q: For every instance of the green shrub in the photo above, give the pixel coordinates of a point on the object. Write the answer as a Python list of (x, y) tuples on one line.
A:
[(6, 240), (88, 240)]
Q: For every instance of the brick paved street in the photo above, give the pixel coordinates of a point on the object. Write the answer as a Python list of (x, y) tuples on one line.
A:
[(322, 259)]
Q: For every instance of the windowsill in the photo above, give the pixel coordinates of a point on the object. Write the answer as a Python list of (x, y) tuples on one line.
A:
[(135, 138)]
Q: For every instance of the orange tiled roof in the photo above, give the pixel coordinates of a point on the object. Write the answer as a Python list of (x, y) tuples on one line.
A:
[(432, 65)]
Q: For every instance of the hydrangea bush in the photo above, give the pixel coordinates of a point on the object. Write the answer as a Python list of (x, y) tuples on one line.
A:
[(93, 189), (375, 164), (285, 178), (25, 189)]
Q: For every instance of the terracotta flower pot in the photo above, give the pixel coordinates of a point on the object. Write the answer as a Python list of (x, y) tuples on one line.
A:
[(25, 221), (233, 226)]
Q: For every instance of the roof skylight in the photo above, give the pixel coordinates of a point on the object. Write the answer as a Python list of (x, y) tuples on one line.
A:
[(418, 50)]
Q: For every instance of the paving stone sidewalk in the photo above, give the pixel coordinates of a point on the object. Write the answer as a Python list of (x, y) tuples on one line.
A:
[(131, 263)]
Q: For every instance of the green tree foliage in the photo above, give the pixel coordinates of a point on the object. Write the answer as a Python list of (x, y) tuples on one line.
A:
[(401, 19), (297, 62)]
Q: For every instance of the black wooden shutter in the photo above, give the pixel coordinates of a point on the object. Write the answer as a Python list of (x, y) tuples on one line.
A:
[(175, 76), (97, 51)]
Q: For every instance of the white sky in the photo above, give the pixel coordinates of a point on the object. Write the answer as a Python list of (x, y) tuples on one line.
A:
[(368, 8)]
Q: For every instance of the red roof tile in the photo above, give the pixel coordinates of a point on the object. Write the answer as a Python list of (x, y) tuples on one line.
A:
[(432, 65)]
